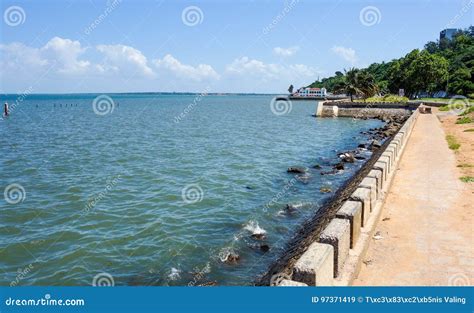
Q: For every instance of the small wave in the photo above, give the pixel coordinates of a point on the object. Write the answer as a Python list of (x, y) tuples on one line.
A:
[(255, 229), (174, 274), (228, 255)]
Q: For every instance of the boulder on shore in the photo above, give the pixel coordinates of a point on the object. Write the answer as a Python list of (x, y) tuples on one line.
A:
[(375, 144)]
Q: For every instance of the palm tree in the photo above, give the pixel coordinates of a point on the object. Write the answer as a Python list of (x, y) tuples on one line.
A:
[(357, 83), (349, 85), (366, 84)]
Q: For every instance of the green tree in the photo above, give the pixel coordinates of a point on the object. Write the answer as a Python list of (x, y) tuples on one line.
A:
[(427, 72), (442, 65)]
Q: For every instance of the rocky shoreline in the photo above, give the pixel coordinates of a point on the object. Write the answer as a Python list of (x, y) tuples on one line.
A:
[(378, 140)]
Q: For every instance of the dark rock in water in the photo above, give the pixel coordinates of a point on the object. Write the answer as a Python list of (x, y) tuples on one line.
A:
[(347, 157), (297, 169), (325, 189), (293, 207), (232, 258), (361, 145), (375, 144), (258, 236), (359, 157), (264, 248), (317, 166), (339, 166), (248, 187), (329, 172)]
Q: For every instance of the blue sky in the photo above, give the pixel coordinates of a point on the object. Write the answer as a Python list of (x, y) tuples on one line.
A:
[(230, 46)]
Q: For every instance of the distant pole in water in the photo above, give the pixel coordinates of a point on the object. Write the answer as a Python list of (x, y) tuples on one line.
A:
[(5, 109)]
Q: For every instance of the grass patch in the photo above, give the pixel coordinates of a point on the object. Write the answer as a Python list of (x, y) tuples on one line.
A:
[(465, 165), (464, 120), (386, 98), (467, 179), (452, 143), (470, 130), (445, 100), (444, 108), (434, 99), (468, 110)]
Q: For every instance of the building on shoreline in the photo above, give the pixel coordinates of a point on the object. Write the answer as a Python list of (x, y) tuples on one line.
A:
[(311, 92), (448, 33)]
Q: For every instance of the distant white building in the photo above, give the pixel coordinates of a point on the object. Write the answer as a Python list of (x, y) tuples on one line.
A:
[(311, 92)]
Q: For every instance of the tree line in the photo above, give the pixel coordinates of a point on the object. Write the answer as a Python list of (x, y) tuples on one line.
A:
[(445, 65)]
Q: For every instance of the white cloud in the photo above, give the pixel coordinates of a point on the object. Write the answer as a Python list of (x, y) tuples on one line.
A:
[(197, 73), (16, 55), (66, 52), (124, 59), (285, 52), (79, 68), (62, 53), (347, 54), (252, 67), (247, 66)]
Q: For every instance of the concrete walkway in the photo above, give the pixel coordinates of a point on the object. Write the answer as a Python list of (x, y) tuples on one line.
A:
[(425, 235)]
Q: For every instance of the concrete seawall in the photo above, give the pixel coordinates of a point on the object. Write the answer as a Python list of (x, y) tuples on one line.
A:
[(335, 258), (361, 109)]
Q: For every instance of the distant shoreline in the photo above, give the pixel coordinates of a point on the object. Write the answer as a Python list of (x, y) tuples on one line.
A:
[(144, 93)]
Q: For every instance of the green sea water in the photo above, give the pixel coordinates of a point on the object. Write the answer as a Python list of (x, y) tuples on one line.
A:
[(154, 189)]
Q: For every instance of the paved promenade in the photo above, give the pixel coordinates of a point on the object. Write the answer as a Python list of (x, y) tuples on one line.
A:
[(425, 235)]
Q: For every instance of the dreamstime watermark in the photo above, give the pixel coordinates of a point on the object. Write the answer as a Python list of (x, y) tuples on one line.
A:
[(103, 280), (289, 5), (14, 193), (199, 275), (361, 113), (281, 106), (108, 187), (280, 194), (192, 16), (192, 193), (103, 105), (14, 16), (459, 280), (461, 13), (192, 105), (458, 104), (22, 97), (21, 274), (45, 301), (370, 15), (110, 7)]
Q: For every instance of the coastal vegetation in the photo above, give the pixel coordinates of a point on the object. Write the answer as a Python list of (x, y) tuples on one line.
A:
[(464, 120), (444, 65), (469, 110), (444, 108), (444, 100), (452, 142), (386, 98), (467, 179)]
